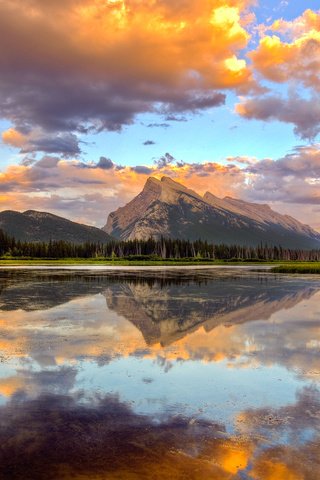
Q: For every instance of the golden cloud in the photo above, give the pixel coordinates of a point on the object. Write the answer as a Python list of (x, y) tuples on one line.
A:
[(100, 190), (60, 185), (296, 57), (13, 137), (99, 63)]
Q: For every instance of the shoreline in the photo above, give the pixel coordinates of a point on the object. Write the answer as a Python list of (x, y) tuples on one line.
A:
[(292, 268), (135, 267)]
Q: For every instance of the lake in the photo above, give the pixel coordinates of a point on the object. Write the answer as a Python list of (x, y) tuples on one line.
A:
[(159, 374)]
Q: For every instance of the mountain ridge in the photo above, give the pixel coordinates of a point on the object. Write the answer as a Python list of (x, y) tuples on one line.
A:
[(37, 226), (167, 208)]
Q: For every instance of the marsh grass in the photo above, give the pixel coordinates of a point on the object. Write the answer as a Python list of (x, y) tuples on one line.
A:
[(301, 268)]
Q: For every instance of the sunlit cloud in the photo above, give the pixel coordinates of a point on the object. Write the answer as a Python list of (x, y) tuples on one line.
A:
[(99, 64), (61, 185), (288, 54)]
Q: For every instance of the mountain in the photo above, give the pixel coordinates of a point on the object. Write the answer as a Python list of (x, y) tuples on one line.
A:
[(164, 306), (167, 313), (167, 208), (33, 226)]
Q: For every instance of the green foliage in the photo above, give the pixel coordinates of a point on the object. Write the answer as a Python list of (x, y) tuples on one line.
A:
[(305, 268), (151, 250)]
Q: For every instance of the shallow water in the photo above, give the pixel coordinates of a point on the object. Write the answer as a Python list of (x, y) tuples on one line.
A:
[(171, 374)]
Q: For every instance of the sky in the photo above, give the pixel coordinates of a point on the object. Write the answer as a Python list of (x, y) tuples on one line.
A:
[(98, 95)]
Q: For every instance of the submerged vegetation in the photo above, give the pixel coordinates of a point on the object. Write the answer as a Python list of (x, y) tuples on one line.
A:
[(149, 251)]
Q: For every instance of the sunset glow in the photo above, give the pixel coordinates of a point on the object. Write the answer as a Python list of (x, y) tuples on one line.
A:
[(206, 82)]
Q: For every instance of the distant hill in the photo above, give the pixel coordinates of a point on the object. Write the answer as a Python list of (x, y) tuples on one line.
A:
[(167, 208), (33, 226)]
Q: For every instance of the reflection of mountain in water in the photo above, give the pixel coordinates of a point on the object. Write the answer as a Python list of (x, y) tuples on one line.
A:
[(169, 313), (164, 306), (43, 289)]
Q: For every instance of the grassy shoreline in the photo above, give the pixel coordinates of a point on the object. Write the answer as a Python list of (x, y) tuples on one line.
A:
[(278, 266), (106, 262), (300, 268)]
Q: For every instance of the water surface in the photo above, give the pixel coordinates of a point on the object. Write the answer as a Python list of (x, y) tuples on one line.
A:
[(149, 374)]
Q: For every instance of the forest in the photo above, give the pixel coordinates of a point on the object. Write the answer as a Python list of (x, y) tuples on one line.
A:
[(163, 249)]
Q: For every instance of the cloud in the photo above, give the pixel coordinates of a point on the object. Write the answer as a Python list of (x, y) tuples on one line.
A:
[(194, 103), (158, 125), (69, 187), (165, 160), (105, 163), (122, 59), (175, 118), (141, 169), (129, 58), (288, 54), (291, 179), (65, 143), (48, 162), (291, 53), (303, 113)]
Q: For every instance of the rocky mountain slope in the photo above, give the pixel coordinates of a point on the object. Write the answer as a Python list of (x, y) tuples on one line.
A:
[(167, 208), (33, 226)]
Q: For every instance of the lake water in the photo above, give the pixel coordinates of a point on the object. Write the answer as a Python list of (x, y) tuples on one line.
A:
[(159, 374)]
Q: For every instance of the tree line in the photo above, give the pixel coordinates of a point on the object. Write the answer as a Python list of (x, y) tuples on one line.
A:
[(151, 249)]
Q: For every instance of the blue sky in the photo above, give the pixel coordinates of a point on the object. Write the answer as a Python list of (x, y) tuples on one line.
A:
[(206, 81)]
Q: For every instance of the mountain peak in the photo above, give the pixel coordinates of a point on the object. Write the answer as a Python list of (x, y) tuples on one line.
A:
[(152, 180), (37, 214), (209, 195), (171, 190), (166, 208), (151, 184), (167, 181)]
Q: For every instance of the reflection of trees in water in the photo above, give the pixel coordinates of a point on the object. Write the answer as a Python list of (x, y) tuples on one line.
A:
[(160, 303), (157, 278)]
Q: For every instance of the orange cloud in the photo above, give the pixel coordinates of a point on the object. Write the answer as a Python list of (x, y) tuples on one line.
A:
[(308, 21), (289, 54), (296, 57), (99, 63), (280, 61), (63, 186), (100, 190), (13, 137)]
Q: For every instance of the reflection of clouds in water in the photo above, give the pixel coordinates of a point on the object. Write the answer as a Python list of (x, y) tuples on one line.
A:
[(287, 339), (295, 422), (290, 339), (34, 383), (163, 310), (58, 437), (213, 348), (55, 436)]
